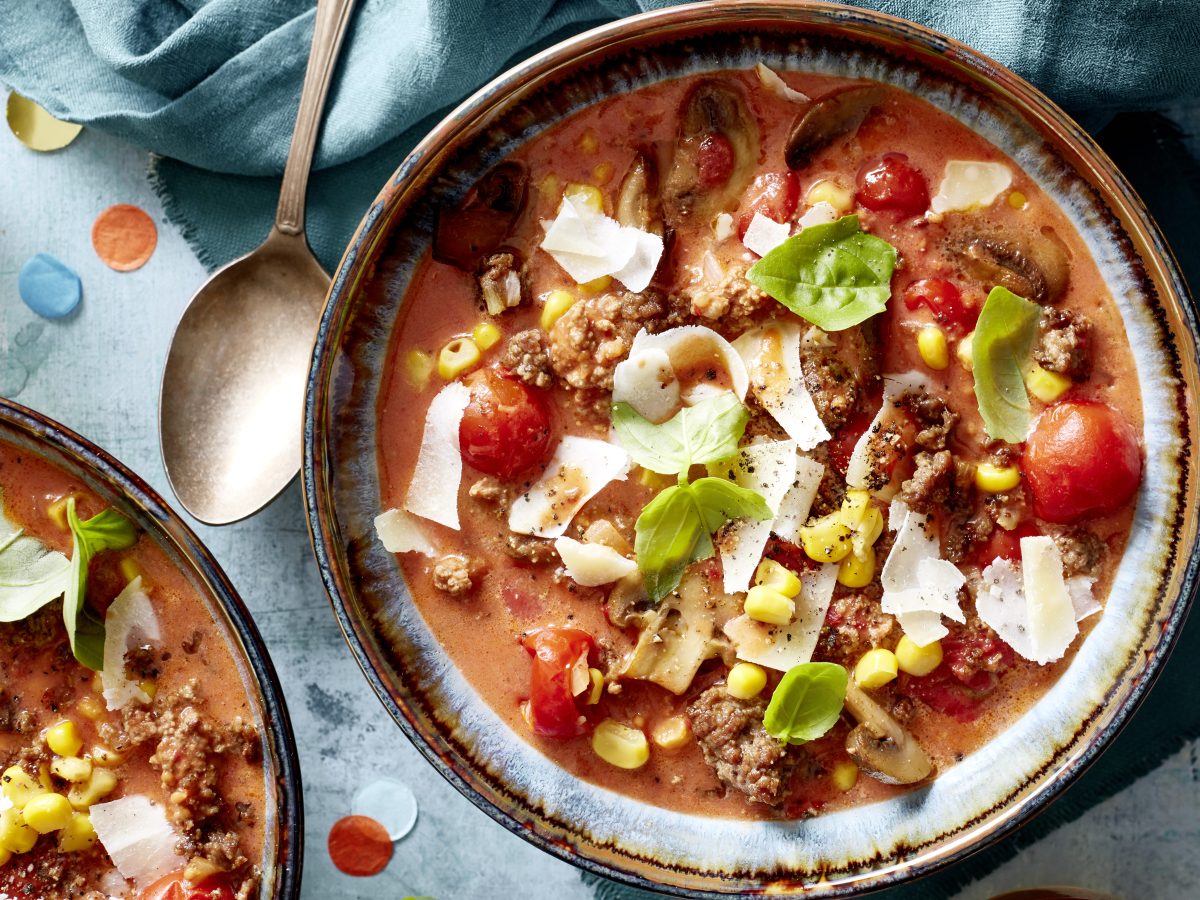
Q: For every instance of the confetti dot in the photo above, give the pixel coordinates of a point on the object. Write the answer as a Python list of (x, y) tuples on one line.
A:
[(390, 803), (49, 287), (358, 845), (36, 128), (124, 237)]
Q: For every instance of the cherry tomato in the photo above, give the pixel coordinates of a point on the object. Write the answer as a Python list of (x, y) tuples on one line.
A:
[(775, 194), (555, 652), (714, 161), (945, 301), (1083, 459), (505, 429), (174, 887), (892, 184), (1002, 544)]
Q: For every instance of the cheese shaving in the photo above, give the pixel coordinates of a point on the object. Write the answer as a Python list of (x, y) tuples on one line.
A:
[(767, 469), (798, 501), (130, 621), (579, 469), (968, 185), (866, 460), (401, 533), (589, 245), (764, 234), (592, 565), (782, 647), (433, 491), (646, 381), (696, 349), (772, 357), (821, 213), (136, 835), (774, 83), (918, 586)]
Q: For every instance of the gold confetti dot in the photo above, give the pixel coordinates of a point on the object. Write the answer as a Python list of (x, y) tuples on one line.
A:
[(36, 128)]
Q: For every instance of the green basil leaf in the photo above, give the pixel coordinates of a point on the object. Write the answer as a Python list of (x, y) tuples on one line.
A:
[(31, 574), (696, 435), (720, 501), (108, 530), (807, 702), (1000, 350), (670, 536), (833, 275)]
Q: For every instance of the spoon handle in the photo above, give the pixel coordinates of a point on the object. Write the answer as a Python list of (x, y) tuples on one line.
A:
[(330, 27)]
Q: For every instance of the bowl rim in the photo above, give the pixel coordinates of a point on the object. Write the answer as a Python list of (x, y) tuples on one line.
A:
[(171, 527), (1112, 186)]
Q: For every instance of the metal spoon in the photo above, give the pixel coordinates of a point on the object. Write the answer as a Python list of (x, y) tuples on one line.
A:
[(230, 411)]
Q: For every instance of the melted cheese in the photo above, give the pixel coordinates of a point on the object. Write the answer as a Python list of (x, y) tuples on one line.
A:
[(772, 356), (579, 469), (771, 80), (690, 349), (433, 491)]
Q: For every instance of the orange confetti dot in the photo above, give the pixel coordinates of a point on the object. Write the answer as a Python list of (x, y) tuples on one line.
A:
[(358, 845), (124, 237)]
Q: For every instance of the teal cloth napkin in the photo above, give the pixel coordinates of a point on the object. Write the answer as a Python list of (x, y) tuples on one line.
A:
[(212, 87)]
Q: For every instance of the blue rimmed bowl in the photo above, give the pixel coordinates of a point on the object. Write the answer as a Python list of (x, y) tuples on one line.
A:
[(992, 791), (117, 486)]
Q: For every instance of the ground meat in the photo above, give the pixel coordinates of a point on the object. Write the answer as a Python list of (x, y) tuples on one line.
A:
[(962, 530), (142, 661), (1064, 343), (853, 625), (731, 304), (973, 647), (732, 738), (1081, 551), (883, 447), (1006, 509), (456, 574), (839, 367), (934, 419), (14, 719), (932, 482), (500, 284), (536, 551), (526, 356)]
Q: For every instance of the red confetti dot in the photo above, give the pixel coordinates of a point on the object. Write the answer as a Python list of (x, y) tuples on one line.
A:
[(124, 237), (358, 845)]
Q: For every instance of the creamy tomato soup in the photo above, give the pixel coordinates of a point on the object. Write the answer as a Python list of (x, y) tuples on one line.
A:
[(758, 453), (132, 766)]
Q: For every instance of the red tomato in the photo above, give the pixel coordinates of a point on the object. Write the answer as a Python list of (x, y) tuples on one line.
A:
[(940, 690), (788, 555), (775, 194), (1082, 459), (173, 887), (555, 651), (841, 447), (714, 161), (944, 300), (506, 426), (892, 184), (1002, 544)]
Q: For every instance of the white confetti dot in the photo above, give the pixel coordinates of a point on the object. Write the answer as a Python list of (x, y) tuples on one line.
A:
[(390, 803)]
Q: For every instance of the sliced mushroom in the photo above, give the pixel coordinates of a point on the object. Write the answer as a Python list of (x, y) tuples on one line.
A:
[(828, 118), (715, 154), (465, 236), (1034, 265), (627, 602), (638, 202), (880, 745)]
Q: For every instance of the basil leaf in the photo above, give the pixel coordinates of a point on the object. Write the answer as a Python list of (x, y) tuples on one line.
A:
[(696, 435), (720, 501), (833, 275), (670, 536), (108, 530), (1000, 351), (807, 702), (31, 574)]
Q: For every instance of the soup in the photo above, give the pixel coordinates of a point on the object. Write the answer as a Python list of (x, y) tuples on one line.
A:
[(132, 762), (756, 454)]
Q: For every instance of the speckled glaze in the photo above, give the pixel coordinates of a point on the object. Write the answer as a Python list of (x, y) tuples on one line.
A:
[(283, 838), (993, 790)]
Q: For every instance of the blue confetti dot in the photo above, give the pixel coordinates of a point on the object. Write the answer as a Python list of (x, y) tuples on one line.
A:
[(49, 287)]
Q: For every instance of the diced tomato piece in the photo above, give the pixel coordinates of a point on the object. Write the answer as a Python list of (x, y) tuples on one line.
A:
[(714, 161), (892, 184), (941, 691), (945, 301), (841, 446), (1003, 544), (966, 653), (216, 886), (1082, 459), (774, 194), (556, 651), (505, 429)]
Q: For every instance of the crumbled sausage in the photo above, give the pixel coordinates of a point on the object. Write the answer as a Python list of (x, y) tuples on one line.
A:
[(493, 492), (500, 283), (526, 356), (731, 303), (736, 745), (838, 368), (854, 624), (536, 551), (1064, 343), (456, 574), (975, 648), (931, 483), (1081, 551), (935, 420)]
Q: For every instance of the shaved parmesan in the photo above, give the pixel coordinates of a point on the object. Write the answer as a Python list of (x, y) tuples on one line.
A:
[(865, 460), (918, 586), (782, 647), (764, 234), (402, 533), (433, 491), (767, 469), (593, 564), (136, 835), (970, 185), (1080, 589), (821, 213), (589, 245), (697, 349), (796, 503), (1000, 603), (723, 227), (771, 80), (772, 356), (130, 621), (578, 470), (646, 381)]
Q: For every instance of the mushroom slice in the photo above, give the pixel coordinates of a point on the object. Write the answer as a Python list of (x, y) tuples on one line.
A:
[(880, 745), (466, 235), (638, 204), (1035, 267), (828, 118)]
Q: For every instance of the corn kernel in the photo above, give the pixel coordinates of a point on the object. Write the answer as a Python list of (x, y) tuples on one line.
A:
[(19, 786), (550, 190), (773, 575), (149, 687), (602, 173), (56, 511), (557, 303), (965, 351), (857, 570), (586, 194), (619, 745), (588, 143), (459, 356), (100, 785), (15, 835), (72, 768), (745, 680), (47, 813), (845, 776), (992, 479), (875, 668), (486, 335), (1017, 200), (597, 678), (130, 569), (826, 539), (671, 733), (1047, 386), (44, 778), (418, 366), (764, 604), (103, 756), (596, 285), (854, 508), (78, 835), (914, 659), (654, 481), (830, 192), (64, 738), (868, 532), (931, 343)]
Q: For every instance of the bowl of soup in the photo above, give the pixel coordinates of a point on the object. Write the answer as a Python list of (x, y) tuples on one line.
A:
[(147, 751), (746, 450)]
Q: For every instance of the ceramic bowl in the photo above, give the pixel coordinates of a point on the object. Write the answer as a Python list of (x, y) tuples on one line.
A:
[(118, 487), (989, 793)]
